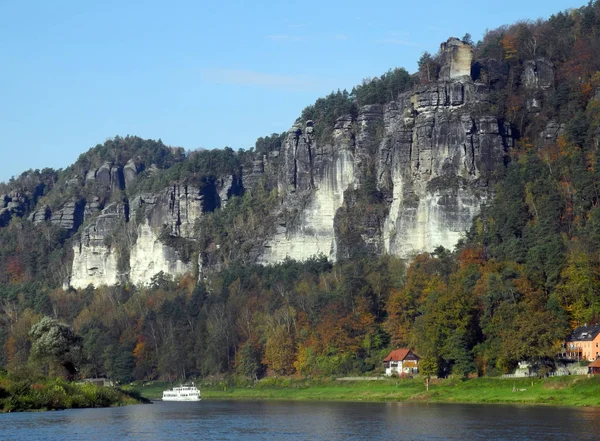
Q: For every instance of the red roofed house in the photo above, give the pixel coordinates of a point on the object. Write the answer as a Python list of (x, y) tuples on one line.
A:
[(594, 367), (401, 361)]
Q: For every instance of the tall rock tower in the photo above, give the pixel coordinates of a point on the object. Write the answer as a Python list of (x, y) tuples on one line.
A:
[(456, 59)]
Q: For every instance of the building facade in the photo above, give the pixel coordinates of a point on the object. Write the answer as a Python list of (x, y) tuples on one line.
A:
[(583, 343), (401, 362)]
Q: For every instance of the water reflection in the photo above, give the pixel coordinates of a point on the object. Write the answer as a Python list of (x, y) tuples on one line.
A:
[(257, 420)]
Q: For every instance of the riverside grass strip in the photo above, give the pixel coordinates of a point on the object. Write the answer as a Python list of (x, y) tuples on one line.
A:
[(560, 391)]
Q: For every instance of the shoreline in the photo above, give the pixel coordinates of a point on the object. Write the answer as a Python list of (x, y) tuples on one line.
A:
[(50, 394), (570, 391)]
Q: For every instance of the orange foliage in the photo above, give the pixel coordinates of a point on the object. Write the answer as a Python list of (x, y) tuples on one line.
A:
[(533, 296), (509, 44), (586, 90), (188, 282), (15, 270), (513, 106), (140, 349), (581, 63), (590, 162), (471, 256), (522, 146), (565, 148), (568, 192)]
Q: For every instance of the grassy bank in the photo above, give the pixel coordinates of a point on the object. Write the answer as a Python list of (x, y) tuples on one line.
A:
[(53, 394), (563, 391)]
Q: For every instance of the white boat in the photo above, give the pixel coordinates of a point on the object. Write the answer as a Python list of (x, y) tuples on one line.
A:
[(185, 392)]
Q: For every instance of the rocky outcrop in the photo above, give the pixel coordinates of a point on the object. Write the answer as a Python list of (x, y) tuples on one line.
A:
[(150, 256), (92, 209), (551, 132), (70, 216), (130, 172), (538, 80), (13, 204), (126, 242), (226, 187), (94, 254), (456, 57), (433, 152), (400, 178), (40, 215), (108, 176), (174, 210), (312, 179), (538, 74)]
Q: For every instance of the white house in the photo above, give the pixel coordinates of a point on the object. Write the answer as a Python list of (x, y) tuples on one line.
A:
[(401, 362)]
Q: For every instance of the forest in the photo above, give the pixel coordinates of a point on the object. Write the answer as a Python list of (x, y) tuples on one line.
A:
[(525, 275)]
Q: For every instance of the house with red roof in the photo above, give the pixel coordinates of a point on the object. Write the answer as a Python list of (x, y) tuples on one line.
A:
[(401, 362), (594, 367)]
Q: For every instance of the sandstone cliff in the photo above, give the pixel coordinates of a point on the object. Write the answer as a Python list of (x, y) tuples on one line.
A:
[(399, 178), (433, 152)]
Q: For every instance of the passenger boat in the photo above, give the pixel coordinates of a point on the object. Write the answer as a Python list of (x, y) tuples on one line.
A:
[(185, 392)]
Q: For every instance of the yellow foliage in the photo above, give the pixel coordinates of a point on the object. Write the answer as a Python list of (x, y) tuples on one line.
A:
[(139, 350), (509, 44)]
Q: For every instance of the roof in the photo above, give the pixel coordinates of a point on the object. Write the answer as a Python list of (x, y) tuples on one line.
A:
[(398, 355), (595, 363), (584, 333)]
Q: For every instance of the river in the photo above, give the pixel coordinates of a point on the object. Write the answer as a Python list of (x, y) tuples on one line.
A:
[(331, 421)]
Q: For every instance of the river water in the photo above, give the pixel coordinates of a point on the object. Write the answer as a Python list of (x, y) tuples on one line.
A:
[(259, 420)]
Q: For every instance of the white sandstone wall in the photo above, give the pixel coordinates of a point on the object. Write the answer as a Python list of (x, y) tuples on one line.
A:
[(93, 265), (149, 256), (315, 233)]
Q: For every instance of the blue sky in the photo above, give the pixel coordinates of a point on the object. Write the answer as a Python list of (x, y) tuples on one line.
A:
[(203, 74)]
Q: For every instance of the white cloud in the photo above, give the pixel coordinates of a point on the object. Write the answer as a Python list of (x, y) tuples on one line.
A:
[(244, 77)]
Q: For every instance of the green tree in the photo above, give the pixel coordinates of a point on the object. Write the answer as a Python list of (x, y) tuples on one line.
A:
[(56, 342)]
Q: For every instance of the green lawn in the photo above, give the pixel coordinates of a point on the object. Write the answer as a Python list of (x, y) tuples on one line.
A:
[(564, 391)]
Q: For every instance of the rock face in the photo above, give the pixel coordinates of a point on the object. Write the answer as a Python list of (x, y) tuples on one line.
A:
[(109, 176), (12, 204), (437, 157), (173, 213), (537, 79), (538, 74), (118, 246), (456, 59), (312, 181), (434, 154), (130, 172), (94, 257), (69, 217), (40, 215), (429, 158)]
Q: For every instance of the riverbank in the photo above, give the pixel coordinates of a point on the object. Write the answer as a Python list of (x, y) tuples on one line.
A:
[(562, 391), (18, 395)]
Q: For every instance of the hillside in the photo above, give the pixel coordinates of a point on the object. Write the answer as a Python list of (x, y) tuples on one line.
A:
[(420, 166), (155, 254)]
